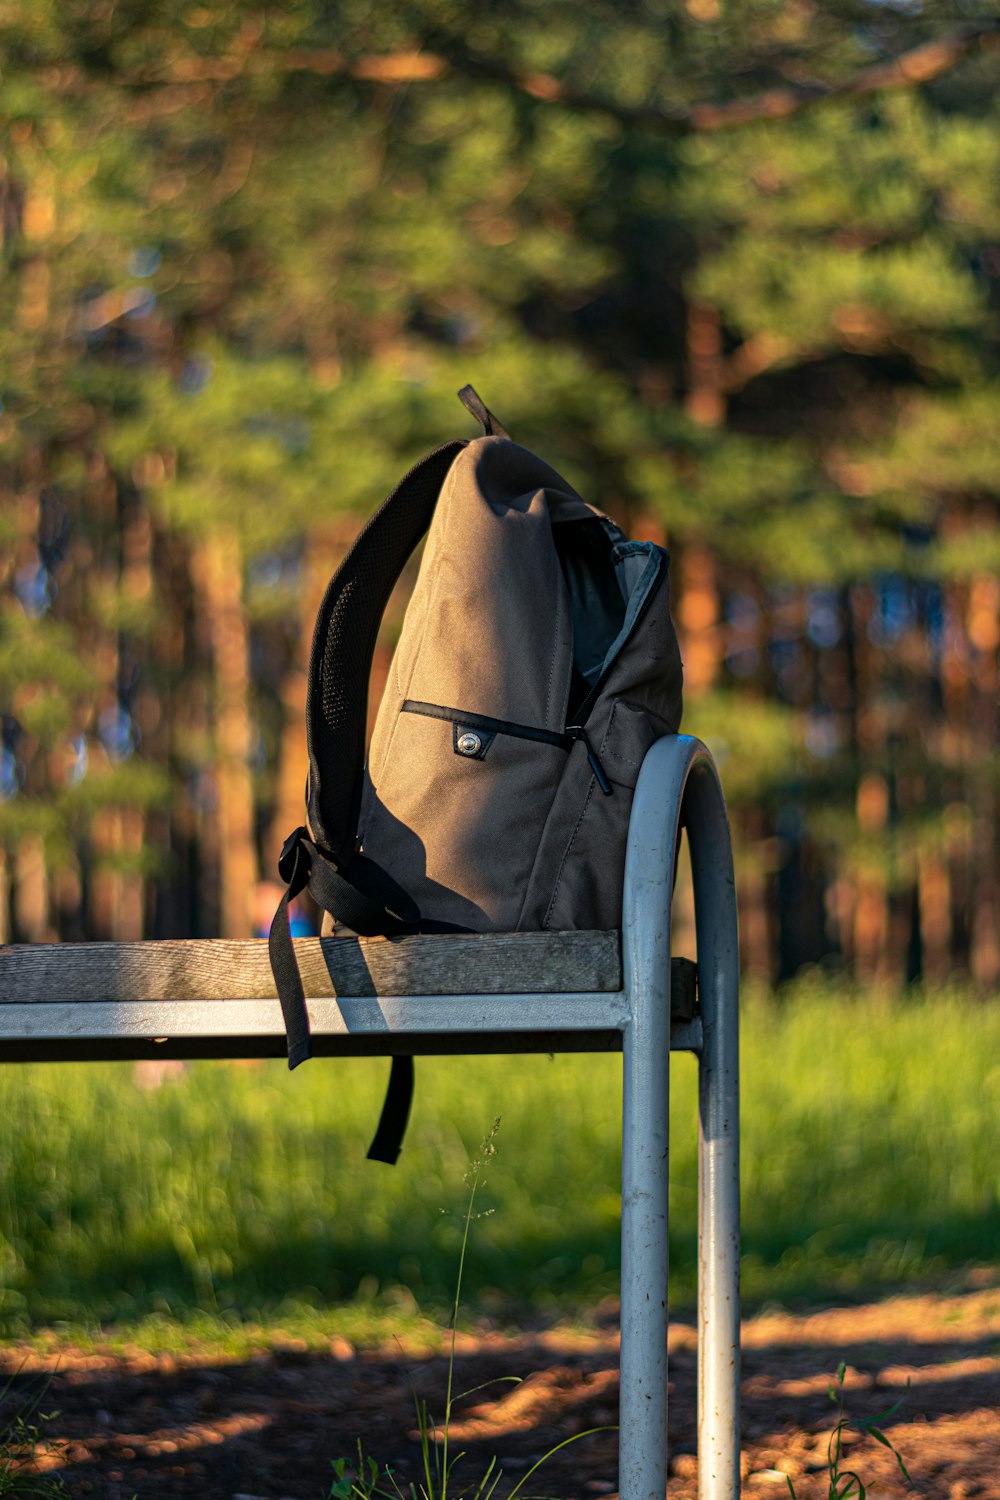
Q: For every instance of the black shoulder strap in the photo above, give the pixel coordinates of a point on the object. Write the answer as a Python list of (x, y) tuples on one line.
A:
[(343, 647), (324, 858)]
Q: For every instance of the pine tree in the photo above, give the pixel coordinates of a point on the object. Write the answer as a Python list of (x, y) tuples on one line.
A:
[(733, 268)]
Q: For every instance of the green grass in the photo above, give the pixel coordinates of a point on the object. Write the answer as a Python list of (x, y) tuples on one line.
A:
[(240, 1197)]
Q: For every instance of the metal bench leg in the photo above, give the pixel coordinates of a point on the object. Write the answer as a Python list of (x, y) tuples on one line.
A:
[(642, 1469), (678, 772), (649, 868), (718, 1141)]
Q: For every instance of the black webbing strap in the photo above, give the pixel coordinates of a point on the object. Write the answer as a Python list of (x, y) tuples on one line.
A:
[(369, 902), (303, 867), (362, 897), (294, 865), (388, 1140), (362, 903)]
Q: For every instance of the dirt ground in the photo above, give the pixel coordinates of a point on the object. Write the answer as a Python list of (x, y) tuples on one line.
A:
[(269, 1427)]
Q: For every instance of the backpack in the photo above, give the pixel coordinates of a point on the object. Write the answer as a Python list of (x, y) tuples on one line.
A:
[(536, 665)]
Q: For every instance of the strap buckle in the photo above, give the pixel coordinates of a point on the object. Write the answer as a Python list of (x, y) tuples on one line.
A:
[(288, 859)]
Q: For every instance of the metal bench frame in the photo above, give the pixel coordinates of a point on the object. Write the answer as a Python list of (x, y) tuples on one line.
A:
[(134, 1000)]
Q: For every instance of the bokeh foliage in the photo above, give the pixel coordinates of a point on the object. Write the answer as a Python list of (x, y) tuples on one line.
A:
[(251, 253), (242, 1194)]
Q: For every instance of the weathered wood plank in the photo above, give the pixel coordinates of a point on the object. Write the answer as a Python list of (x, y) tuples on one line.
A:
[(482, 964)]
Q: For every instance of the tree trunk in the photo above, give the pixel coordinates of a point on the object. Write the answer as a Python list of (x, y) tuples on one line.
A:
[(704, 402), (871, 911), (756, 936), (31, 893), (934, 897), (217, 569), (984, 638), (698, 619)]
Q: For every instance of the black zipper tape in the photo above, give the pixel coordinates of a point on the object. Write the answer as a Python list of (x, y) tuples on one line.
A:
[(564, 741), (655, 582), (483, 721)]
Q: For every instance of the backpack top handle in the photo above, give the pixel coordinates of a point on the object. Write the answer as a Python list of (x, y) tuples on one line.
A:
[(474, 403)]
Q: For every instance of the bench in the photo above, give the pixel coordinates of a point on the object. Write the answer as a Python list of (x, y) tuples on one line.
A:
[(520, 992)]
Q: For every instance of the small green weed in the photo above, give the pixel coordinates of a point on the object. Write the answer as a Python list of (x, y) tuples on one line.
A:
[(846, 1484), (365, 1479), (20, 1435)]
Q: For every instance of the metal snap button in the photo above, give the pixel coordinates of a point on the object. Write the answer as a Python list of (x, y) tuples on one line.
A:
[(468, 743)]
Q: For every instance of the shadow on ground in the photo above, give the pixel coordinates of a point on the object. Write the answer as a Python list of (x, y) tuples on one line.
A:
[(269, 1427)]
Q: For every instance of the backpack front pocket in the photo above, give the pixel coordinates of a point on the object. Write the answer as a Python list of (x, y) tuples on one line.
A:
[(479, 791)]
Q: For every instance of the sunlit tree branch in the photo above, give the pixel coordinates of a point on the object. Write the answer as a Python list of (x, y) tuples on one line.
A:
[(920, 64)]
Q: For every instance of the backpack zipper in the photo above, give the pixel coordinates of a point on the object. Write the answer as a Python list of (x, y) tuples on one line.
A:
[(577, 732), (485, 721), (572, 732), (586, 707), (564, 741)]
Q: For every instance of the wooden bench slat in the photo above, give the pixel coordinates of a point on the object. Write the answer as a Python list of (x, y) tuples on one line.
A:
[(220, 969)]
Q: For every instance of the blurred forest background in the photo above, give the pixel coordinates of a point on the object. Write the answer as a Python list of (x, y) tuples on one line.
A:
[(734, 268)]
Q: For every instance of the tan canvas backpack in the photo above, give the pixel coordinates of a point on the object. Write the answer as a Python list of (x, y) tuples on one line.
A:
[(537, 664)]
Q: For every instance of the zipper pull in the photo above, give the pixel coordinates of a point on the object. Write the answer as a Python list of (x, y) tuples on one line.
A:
[(577, 732)]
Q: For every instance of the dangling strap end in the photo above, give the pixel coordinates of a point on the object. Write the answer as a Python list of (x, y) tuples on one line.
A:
[(294, 866), (388, 1140), (299, 1054)]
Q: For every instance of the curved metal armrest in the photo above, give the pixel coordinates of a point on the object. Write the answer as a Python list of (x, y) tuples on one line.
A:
[(679, 787)]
